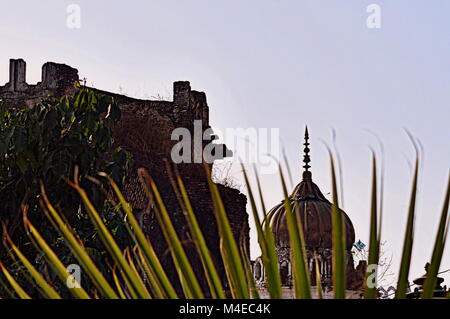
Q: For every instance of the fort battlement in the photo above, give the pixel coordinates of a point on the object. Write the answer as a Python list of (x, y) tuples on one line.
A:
[(54, 76), (59, 79)]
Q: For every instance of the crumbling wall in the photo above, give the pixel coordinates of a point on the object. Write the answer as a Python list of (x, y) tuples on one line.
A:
[(145, 130), (57, 80)]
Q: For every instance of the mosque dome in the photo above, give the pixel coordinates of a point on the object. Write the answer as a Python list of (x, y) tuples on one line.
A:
[(315, 212)]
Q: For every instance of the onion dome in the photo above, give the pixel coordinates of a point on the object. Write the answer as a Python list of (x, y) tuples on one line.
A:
[(314, 210)]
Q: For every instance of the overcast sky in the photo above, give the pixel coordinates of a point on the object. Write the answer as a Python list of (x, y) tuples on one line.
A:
[(278, 64)]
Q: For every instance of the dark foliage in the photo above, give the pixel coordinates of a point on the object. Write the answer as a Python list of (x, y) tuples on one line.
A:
[(43, 145)]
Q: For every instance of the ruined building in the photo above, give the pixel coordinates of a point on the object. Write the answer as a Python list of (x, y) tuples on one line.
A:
[(145, 131), (315, 212)]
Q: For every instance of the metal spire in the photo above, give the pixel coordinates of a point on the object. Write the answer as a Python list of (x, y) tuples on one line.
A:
[(306, 157)]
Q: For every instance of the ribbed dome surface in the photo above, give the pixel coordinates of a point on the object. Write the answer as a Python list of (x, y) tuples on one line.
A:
[(316, 215)]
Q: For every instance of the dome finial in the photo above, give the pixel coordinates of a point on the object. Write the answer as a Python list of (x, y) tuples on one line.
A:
[(306, 157)]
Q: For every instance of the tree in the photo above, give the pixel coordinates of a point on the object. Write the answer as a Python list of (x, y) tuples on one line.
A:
[(222, 174), (43, 145)]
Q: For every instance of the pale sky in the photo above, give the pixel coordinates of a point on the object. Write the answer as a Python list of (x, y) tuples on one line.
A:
[(278, 64)]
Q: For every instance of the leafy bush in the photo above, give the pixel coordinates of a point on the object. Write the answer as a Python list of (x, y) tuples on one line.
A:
[(43, 145)]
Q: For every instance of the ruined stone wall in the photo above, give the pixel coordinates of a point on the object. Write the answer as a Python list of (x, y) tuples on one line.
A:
[(57, 80), (145, 130)]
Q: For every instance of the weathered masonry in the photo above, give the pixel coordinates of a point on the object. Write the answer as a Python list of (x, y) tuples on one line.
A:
[(145, 130)]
